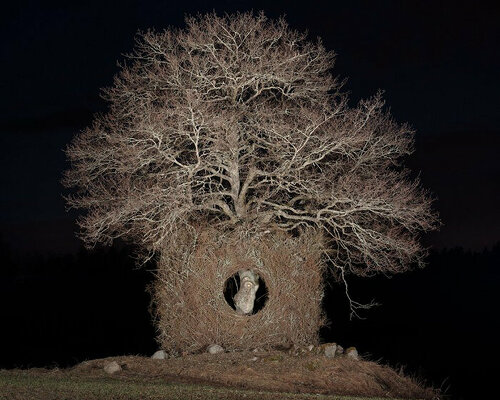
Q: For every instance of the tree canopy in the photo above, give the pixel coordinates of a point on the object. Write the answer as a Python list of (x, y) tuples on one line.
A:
[(237, 119)]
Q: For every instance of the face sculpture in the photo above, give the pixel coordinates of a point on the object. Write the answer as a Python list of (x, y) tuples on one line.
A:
[(245, 298)]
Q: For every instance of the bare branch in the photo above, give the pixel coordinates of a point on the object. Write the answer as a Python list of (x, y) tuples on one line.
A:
[(237, 119)]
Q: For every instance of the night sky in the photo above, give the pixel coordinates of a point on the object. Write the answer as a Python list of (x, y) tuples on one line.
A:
[(437, 61)]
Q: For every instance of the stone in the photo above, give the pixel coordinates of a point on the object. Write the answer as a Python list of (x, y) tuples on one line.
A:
[(352, 353), (320, 349), (330, 350), (215, 349), (112, 367), (340, 350), (159, 355), (245, 298), (253, 359), (310, 347)]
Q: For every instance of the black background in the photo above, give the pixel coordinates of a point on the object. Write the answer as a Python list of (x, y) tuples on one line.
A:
[(438, 63)]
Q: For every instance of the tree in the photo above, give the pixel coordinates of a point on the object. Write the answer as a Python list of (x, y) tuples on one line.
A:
[(237, 121)]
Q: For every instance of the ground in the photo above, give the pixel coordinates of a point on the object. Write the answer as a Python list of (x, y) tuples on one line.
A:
[(263, 374)]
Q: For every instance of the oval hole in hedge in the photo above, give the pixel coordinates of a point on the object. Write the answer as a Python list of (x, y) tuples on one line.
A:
[(232, 285)]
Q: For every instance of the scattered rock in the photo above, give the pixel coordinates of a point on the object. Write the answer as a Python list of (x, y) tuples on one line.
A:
[(352, 353), (320, 350), (215, 349), (112, 367), (330, 350), (159, 355)]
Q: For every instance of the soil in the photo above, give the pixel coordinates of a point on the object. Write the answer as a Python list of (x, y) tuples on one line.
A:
[(276, 371)]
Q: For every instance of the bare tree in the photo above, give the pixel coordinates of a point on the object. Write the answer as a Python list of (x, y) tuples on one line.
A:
[(238, 120)]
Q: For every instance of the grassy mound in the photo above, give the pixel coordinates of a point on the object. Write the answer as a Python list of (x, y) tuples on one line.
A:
[(261, 375)]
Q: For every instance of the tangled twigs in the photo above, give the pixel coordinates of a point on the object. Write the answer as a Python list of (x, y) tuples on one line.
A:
[(190, 307)]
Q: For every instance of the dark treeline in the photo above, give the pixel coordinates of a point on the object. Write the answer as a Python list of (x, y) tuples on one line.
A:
[(61, 310), (440, 322)]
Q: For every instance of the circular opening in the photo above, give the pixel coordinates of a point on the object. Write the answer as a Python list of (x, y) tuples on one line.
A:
[(232, 286)]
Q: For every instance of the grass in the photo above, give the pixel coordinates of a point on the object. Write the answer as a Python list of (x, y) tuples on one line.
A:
[(25, 385)]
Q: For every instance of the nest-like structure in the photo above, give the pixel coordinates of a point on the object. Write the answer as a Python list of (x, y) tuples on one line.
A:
[(188, 294)]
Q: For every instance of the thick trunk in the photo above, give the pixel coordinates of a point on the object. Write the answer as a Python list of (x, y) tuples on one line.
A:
[(245, 298), (238, 201)]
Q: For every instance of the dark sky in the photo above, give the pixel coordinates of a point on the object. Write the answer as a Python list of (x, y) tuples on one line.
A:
[(438, 62)]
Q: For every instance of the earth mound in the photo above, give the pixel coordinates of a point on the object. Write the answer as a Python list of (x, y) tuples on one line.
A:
[(275, 371)]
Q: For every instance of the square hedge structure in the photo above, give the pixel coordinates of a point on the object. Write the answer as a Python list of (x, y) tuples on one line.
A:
[(190, 308)]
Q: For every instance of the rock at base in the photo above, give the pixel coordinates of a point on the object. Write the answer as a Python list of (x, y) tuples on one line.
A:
[(215, 349), (330, 350), (352, 353), (112, 367), (159, 355)]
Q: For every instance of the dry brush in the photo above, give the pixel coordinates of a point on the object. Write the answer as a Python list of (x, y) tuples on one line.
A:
[(188, 293)]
